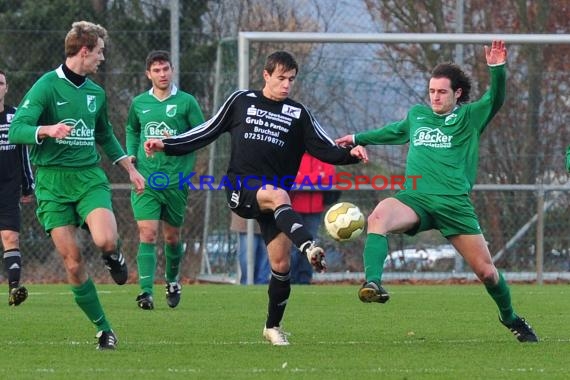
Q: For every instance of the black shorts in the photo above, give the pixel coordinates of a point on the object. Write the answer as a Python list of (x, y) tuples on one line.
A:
[(244, 203), (10, 218)]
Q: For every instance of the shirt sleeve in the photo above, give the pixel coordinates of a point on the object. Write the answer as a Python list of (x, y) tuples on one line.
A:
[(23, 129), (397, 133)]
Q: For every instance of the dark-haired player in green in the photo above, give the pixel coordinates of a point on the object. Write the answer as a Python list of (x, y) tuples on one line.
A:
[(162, 111), (444, 153), (64, 117)]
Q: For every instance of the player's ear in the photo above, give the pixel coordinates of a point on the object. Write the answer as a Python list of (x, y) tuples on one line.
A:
[(458, 93)]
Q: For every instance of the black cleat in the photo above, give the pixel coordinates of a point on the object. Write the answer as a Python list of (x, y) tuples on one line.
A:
[(116, 265), (145, 301), (17, 295), (521, 330), (373, 292), (106, 340), (173, 290)]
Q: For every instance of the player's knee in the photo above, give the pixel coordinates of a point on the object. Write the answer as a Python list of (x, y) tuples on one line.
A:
[(376, 222), (488, 275)]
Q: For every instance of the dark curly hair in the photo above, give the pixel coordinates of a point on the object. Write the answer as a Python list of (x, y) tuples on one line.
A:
[(457, 77)]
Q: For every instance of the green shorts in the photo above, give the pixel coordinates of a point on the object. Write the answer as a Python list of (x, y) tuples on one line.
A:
[(450, 214), (168, 205), (67, 195)]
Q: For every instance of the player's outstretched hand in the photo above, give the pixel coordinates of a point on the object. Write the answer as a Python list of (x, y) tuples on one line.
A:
[(497, 53), (345, 141)]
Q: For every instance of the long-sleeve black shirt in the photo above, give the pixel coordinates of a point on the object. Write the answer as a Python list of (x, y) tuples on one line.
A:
[(268, 138)]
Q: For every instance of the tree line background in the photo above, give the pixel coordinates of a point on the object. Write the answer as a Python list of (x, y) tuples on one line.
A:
[(350, 88)]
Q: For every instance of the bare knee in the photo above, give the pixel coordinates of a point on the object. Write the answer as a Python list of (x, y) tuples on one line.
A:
[(488, 275), (75, 269)]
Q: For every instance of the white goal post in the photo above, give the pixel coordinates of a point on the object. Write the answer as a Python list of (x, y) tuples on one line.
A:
[(245, 38)]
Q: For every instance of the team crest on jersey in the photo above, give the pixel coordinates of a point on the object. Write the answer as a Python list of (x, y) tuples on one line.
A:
[(91, 103), (291, 111), (9, 117), (170, 110), (450, 119)]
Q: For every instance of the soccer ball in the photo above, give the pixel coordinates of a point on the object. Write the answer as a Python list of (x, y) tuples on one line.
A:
[(344, 221)]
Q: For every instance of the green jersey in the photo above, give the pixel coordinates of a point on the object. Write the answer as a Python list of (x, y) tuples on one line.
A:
[(444, 149), (54, 99), (151, 118)]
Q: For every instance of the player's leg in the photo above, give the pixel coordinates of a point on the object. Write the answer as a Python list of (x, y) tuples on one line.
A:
[(103, 228), (95, 209), (174, 208), (147, 208), (279, 285), (291, 224), (390, 215), (474, 250), (13, 266), (173, 252), (146, 262), (82, 287), (10, 221), (301, 269), (60, 219)]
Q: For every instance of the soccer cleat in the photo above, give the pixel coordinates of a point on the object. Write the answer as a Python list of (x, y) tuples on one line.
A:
[(275, 336), (373, 292), (106, 340), (521, 330), (116, 265), (173, 290), (316, 257), (145, 301), (17, 295)]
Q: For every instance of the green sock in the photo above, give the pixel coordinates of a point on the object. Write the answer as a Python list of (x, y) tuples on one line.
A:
[(146, 263), (502, 297), (173, 255), (375, 253), (87, 299)]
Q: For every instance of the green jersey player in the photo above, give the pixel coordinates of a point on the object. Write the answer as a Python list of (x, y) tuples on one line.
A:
[(442, 158), (63, 117), (162, 111)]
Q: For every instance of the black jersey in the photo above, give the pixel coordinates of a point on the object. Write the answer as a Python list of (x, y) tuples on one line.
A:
[(268, 138), (15, 169)]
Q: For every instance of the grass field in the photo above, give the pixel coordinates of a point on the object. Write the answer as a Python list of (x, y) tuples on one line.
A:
[(424, 332)]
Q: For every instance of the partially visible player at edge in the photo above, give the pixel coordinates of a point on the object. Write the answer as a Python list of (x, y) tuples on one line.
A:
[(269, 134), (63, 117), (444, 151), (16, 186), (161, 111)]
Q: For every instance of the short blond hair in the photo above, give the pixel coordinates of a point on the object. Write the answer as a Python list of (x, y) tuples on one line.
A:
[(83, 33)]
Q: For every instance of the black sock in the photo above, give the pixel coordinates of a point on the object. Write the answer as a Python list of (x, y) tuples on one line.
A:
[(13, 266), (278, 291), (291, 223)]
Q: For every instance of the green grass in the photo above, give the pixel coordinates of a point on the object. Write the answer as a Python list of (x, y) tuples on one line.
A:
[(424, 332)]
